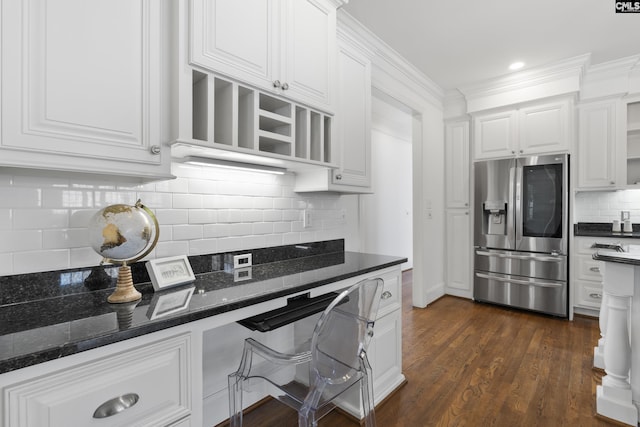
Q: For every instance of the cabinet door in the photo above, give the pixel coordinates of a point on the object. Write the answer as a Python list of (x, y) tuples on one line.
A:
[(544, 128), (238, 38), (457, 164), (495, 135), (458, 253), (597, 144), (385, 355), (81, 86), (353, 133), (308, 51)]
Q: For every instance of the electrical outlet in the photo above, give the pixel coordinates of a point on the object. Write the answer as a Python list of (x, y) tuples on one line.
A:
[(625, 215), (306, 219)]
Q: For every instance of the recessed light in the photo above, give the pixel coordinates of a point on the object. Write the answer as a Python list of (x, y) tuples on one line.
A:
[(516, 66)]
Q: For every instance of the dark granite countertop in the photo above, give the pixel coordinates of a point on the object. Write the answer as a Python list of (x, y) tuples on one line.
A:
[(44, 316), (619, 257), (603, 229)]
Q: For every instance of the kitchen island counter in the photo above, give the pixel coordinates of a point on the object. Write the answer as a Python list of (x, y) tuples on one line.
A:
[(618, 349)]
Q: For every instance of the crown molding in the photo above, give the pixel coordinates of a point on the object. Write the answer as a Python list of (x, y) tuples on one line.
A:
[(389, 60), (609, 78), (559, 78)]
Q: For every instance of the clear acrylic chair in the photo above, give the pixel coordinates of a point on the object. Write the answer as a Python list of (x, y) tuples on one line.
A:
[(332, 361)]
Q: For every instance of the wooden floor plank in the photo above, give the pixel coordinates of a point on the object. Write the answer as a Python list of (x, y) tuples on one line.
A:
[(472, 364)]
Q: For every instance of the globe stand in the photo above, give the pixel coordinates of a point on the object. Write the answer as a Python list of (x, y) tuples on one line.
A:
[(125, 291)]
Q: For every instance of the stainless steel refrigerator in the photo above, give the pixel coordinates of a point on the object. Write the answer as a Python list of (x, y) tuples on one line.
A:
[(521, 233)]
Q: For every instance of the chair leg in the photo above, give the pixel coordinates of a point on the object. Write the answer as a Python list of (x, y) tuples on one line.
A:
[(307, 412), (235, 400), (366, 389)]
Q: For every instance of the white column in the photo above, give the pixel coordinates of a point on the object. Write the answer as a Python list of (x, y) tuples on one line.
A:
[(614, 397), (598, 351)]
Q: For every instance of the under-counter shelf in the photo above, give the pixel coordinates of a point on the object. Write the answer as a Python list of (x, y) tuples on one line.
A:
[(230, 116)]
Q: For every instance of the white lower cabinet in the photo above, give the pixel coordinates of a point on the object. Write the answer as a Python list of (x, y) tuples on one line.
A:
[(458, 232), (154, 380), (587, 273)]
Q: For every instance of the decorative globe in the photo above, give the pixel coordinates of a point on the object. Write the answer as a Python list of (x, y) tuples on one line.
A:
[(123, 234)]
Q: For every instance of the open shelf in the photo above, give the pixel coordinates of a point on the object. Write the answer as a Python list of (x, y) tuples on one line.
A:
[(230, 115)]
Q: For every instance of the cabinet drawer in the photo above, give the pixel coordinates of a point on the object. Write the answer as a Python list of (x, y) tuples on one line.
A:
[(155, 377), (588, 268), (589, 294), (391, 294)]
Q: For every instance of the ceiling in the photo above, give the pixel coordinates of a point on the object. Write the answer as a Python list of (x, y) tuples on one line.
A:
[(457, 43)]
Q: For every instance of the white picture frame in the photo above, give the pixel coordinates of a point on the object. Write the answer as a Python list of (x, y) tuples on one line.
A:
[(166, 303), (168, 272)]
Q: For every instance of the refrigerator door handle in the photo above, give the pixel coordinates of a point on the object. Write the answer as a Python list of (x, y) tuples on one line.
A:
[(524, 257), (520, 282)]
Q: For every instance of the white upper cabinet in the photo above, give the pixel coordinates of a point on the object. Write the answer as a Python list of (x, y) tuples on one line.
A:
[(528, 130), (351, 144), (457, 164), (285, 46), (597, 147), (82, 84), (353, 122), (495, 134)]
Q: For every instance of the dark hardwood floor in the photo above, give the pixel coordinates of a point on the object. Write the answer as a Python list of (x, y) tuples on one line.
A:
[(471, 364)]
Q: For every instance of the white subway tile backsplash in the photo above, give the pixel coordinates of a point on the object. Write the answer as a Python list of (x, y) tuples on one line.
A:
[(65, 238), (251, 216), (83, 257), (20, 240), (28, 262), (155, 200), (187, 232), (168, 249), (204, 246), (44, 216), (262, 228), (5, 218), (12, 197), (187, 201), (605, 206), (26, 219), (106, 198), (172, 216), (202, 216), (6, 264)]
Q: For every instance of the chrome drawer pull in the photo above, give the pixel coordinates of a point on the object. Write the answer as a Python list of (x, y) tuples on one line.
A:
[(386, 295), (596, 296), (595, 269), (116, 405), (519, 282), (523, 257)]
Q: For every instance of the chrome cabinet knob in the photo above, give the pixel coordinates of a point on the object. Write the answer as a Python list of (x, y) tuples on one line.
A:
[(339, 177), (285, 86), (155, 149), (386, 295), (277, 83)]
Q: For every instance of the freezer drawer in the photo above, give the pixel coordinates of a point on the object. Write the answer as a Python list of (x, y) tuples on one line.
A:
[(542, 266), (546, 296)]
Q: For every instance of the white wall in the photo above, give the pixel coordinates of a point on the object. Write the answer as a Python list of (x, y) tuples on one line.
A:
[(387, 215), (605, 206), (44, 216)]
